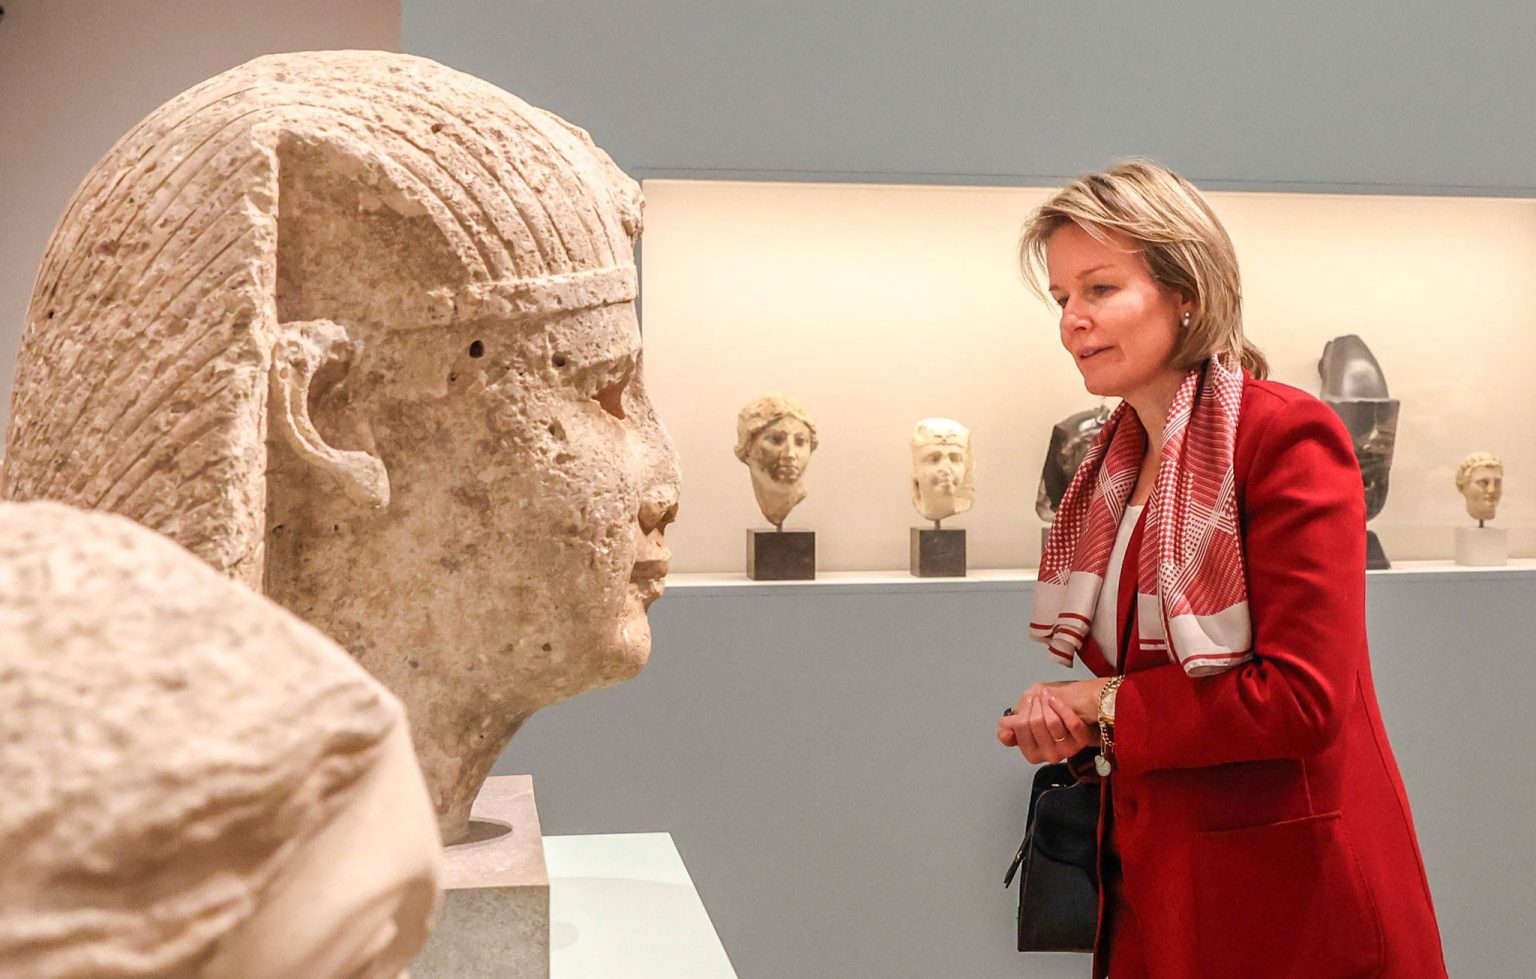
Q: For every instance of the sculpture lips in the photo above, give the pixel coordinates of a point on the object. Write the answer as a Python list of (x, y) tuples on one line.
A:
[(649, 579)]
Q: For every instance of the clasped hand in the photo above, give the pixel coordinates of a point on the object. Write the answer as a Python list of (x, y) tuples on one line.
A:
[(1053, 721)]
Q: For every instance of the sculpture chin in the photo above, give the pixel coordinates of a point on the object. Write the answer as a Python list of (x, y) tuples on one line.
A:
[(776, 499), (634, 639), (938, 504)]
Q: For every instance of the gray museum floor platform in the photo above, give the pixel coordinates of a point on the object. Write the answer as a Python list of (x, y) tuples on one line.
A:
[(823, 755)]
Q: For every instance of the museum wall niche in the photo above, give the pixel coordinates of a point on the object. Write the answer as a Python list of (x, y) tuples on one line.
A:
[(196, 782), (358, 330), (880, 304)]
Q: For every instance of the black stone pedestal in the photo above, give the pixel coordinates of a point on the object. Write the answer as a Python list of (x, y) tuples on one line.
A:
[(1375, 557), (781, 555), (938, 553)]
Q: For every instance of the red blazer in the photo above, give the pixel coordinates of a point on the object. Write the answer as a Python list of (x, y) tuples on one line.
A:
[(1259, 816)]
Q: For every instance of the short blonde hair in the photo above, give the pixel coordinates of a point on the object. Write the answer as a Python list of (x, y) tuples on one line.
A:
[(1179, 236)]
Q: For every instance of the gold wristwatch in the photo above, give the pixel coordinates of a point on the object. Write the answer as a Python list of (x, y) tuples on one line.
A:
[(1101, 762)]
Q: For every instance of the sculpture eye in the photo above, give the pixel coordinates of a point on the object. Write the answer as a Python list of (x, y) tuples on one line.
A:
[(611, 395)]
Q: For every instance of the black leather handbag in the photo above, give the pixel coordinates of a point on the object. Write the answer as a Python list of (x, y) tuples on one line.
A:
[(1057, 864)]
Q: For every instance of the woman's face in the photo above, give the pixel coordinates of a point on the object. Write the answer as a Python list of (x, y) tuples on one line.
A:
[(1118, 323), (782, 450)]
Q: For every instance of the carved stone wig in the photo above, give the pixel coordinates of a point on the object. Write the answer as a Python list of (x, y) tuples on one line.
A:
[(358, 330), (170, 745)]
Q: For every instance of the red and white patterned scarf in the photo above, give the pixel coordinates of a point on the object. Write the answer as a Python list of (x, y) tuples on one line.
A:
[(1192, 594)]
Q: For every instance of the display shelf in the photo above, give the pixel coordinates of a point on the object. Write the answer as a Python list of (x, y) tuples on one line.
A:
[(624, 905), (1014, 579)]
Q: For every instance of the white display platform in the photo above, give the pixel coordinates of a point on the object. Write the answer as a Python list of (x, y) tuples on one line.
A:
[(623, 905)]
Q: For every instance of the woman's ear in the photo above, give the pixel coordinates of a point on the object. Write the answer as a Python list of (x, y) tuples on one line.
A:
[(303, 349)]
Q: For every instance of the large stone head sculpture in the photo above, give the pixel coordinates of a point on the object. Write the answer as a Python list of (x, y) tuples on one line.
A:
[(775, 437), (943, 468), (1480, 481), (358, 330), (1355, 387), (197, 784)]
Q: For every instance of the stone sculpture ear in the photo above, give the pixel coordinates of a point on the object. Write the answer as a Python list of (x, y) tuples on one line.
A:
[(304, 349)]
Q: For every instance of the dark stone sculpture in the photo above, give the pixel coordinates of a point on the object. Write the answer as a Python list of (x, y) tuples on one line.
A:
[(1355, 387), (1070, 441)]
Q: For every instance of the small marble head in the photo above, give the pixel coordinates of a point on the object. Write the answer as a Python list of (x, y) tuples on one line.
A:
[(1480, 481), (775, 437), (943, 468)]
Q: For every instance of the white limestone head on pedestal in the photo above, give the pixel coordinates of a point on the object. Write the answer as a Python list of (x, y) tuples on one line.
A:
[(359, 331), (943, 468), (1480, 481)]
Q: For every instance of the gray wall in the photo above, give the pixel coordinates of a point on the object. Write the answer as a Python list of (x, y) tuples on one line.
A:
[(824, 758), (1375, 95), (77, 74)]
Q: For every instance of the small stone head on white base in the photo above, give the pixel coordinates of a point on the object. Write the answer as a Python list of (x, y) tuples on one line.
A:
[(943, 468), (1480, 481), (197, 784), (359, 330), (775, 437)]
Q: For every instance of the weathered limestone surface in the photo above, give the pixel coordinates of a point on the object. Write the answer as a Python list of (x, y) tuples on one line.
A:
[(943, 468), (775, 437), (358, 330), (193, 778)]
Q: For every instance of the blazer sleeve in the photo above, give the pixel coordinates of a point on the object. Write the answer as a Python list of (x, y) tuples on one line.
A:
[(1304, 544)]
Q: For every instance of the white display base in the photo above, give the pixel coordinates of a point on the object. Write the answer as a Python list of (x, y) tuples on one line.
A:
[(1013, 580), (495, 917), (1482, 547), (624, 906)]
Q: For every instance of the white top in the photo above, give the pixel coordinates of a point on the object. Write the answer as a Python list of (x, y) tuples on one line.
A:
[(1104, 628)]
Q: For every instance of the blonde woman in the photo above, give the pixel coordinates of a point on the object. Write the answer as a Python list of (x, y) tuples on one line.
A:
[(1208, 565)]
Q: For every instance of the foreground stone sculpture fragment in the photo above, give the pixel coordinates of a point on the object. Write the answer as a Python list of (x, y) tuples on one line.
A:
[(197, 784), (358, 330)]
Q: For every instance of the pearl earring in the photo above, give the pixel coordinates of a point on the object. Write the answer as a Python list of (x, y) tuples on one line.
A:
[(1185, 321)]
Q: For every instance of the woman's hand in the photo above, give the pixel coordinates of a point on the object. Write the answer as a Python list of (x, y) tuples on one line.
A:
[(1053, 721)]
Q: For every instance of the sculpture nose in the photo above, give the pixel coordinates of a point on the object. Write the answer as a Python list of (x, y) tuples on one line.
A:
[(658, 510)]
